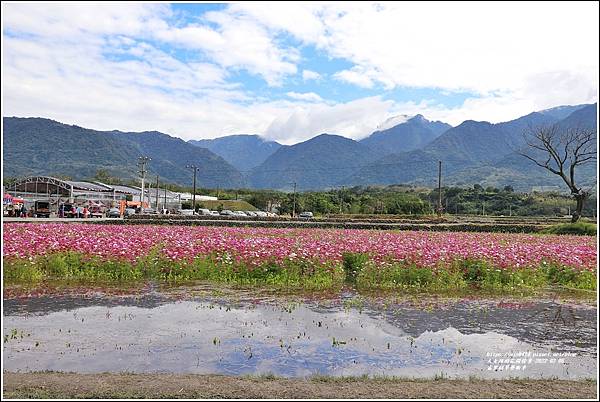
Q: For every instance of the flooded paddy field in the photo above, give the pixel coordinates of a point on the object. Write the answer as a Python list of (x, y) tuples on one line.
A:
[(200, 329)]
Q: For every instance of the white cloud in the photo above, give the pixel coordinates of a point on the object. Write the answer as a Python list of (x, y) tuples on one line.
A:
[(355, 76), (239, 44), (308, 75), (479, 47), (109, 66), (72, 22), (305, 96), (485, 48), (353, 119)]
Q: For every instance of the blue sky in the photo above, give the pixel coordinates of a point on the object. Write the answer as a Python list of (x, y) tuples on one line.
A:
[(289, 71)]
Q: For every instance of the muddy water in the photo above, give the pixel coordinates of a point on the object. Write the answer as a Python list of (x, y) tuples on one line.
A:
[(191, 330)]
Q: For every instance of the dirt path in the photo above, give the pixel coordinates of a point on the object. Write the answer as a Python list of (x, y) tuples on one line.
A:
[(62, 385)]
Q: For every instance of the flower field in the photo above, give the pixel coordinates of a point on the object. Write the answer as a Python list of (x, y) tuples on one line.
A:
[(184, 250)]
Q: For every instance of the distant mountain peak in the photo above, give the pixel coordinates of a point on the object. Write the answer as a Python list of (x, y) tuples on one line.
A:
[(401, 119), (243, 151), (393, 122), (563, 107), (561, 112), (418, 117), (327, 135)]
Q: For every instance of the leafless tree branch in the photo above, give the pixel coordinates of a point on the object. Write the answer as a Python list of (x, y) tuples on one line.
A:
[(556, 146)]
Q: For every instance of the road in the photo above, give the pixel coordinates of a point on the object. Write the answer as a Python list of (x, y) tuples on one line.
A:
[(41, 220)]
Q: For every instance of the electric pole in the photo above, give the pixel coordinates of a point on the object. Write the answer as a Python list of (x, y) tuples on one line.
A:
[(439, 208), (142, 161), (342, 200), (156, 193), (165, 202), (294, 203), (195, 169)]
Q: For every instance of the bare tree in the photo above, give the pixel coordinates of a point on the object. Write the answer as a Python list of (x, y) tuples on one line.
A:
[(560, 151)]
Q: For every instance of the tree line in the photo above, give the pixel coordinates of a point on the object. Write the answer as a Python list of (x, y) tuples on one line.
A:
[(394, 199)]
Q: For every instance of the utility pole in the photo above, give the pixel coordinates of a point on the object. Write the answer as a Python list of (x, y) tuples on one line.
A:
[(195, 169), (156, 193), (294, 204), (165, 201), (342, 200), (147, 195), (439, 209), (142, 161), (509, 209)]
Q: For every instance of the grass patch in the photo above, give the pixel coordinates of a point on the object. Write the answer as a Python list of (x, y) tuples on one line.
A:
[(578, 228), (356, 269), (464, 275), (353, 264), (77, 267)]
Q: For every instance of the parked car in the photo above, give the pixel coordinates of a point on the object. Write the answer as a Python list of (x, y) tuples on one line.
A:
[(96, 211), (261, 214), (226, 212), (240, 214), (186, 212), (204, 211), (306, 215), (113, 213), (149, 211), (214, 213), (41, 209), (250, 213), (129, 211)]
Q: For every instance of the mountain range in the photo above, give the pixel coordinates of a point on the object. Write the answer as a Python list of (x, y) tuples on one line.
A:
[(36, 146), (243, 151), (414, 133), (479, 152), (403, 150)]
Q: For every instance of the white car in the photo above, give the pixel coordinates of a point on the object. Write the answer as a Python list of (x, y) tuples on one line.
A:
[(186, 212), (214, 213), (204, 211), (306, 215)]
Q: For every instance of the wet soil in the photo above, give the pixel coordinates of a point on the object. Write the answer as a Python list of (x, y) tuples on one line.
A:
[(57, 385)]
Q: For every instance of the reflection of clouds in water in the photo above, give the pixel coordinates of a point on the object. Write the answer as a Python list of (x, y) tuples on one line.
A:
[(192, 337)]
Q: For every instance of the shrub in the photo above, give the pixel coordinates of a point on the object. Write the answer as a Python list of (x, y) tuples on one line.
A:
[(353, 264), (578, 228)]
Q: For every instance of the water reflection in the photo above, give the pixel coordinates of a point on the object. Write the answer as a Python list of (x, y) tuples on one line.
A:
[(252, 334)]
